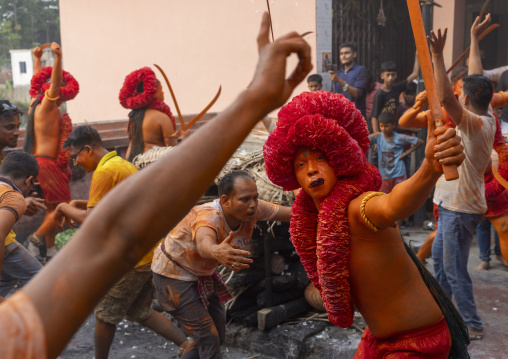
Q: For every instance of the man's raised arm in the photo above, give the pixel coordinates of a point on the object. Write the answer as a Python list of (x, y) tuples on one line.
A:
[(444, 87), (143, 208), (475, 61), (53, 93)]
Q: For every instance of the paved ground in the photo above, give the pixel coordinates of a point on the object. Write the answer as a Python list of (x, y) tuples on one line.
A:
[(312, 339)]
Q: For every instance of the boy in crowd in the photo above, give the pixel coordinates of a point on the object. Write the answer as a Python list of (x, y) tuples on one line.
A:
[(315, 82), (132, 296), (387, 97), (390, 147), (409, 95)]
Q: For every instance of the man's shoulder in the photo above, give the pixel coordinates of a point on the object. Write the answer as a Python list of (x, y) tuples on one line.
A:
[(152, 114)]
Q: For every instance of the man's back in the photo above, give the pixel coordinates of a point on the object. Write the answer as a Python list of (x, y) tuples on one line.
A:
[(467, 194), (157, 130)]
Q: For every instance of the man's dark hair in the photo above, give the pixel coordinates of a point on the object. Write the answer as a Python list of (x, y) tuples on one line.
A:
[(227, 182), (19, 165), (388, 66), (479, 90), (503, 82), (349, 44), (410, 88), (458, 73), (8, 111), (82, 136), (315, 77), (387, 117)]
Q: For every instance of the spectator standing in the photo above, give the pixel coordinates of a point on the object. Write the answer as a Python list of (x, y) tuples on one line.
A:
[(352, 79)]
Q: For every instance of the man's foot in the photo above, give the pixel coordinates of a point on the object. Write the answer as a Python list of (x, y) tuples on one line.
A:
[(500, 258), (33, 249), (50, 253), (36, 240), (483, 266), (475, 334), (186, 347)]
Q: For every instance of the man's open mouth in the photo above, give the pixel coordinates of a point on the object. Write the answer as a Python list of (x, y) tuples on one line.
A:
[(317, 182)]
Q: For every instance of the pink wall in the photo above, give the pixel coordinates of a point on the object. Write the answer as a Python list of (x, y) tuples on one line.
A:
[(452, 16), (200, 44)]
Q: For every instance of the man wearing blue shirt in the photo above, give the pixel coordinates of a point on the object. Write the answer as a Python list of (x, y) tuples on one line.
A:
[(352, 79)]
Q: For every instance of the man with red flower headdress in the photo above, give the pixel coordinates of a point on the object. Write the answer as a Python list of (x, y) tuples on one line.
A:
[(151, 122), (46, 131), (346, 235)]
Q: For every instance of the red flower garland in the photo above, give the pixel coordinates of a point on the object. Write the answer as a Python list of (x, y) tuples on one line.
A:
[(495, 193), (131, 99), (40, 83), (332, 124)]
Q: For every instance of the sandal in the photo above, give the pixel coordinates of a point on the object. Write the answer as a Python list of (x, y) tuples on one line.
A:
[(475, 334)]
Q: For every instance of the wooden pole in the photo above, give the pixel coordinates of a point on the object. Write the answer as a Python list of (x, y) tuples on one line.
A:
[(415, 14)]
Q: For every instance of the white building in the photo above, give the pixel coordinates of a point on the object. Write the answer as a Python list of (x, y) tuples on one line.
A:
[(22, 70)]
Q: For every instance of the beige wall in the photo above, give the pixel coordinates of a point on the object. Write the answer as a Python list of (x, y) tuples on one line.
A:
[(452, 16), (200, 44)]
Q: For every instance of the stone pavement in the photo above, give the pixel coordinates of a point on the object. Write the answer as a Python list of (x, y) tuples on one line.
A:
[(313, 339)]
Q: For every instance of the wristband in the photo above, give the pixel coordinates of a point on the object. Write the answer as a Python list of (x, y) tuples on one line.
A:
[(346, 87)]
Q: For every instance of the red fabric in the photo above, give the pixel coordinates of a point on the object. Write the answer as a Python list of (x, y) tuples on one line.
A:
[(63, 157), (495, 193), (432, 342), (54, 180)]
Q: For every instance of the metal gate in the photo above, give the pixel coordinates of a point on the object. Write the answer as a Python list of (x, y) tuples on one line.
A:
[(357, 21)]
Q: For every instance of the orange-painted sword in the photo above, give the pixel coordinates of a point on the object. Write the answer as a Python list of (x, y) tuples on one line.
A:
[(415, 13)]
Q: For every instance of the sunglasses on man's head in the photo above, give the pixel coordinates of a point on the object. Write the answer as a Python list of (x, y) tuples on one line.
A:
[(8, 107)]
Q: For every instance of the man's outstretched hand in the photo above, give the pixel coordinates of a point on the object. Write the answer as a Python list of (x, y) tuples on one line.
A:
[(270, 86), (437, 42)]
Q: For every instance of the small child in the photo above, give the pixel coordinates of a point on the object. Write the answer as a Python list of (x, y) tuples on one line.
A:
[(390, 146), (315, 82), (387, 97)]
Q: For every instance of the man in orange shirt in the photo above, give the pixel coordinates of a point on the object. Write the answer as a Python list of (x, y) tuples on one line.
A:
[(17, 176), (184, 265), (132, 296)]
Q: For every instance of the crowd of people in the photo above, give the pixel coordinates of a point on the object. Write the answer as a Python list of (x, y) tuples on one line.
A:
[(140, 233)]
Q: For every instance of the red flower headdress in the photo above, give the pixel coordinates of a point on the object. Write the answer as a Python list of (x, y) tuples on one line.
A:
[(41, 82), (331, 123), (131, 99)]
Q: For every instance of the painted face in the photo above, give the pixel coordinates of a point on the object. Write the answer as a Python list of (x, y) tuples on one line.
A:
[(159, 95), (313, 173), (242, 202), (387, 128), (314, 86), (9, 131), (81, 157), (347, 56), (457, 88), (389, 77)]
